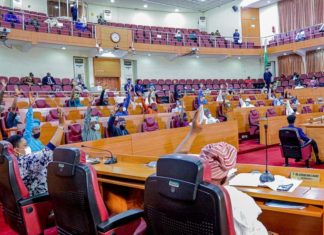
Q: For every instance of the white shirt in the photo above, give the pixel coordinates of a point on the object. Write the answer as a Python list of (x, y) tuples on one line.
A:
[(245, 213), (177, 109), (244, 105), (210, 120)]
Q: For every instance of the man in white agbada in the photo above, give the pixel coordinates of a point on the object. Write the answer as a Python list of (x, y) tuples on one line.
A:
[(208, 118), (222, 158), (246, 104)]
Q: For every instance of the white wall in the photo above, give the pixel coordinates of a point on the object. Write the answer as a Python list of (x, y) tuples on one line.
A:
[(31, 5), (14, 62), (224, 19), (160, 67), (269, 17), (142, 17)]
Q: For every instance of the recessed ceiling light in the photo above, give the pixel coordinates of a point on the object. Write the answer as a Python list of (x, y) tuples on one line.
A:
[(63, 48), (148, 54), (268, 1), (197, 56), (318, 48), (176, 10), (239, 58), (145, 6), (56, 7), (112, 1), (285, 53)]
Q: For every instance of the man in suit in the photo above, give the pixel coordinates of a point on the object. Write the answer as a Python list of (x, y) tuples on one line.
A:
[(236, 36), (267, 77), (48, 80), (291, 121), (129, 86)]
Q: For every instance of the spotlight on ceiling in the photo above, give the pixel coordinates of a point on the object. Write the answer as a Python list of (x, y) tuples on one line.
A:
[(145, 6)]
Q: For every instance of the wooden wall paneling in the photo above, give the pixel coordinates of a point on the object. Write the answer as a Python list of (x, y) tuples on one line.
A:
[(250, 25), (104, 37)]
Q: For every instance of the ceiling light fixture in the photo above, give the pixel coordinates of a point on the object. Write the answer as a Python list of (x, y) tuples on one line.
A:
[(145, 6), (112, 1), (318, 48), (148, 54), (176, 10), (268, 1), (63, 48), (285, 53), (239, 58)]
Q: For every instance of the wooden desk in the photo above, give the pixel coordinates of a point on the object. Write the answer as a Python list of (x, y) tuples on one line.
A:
[(276, 123), (305, 93), (316, 132), (122, 186)]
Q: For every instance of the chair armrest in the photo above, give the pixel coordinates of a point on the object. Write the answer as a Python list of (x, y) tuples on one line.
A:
[(307, 143), (120, 220), (36, 199)]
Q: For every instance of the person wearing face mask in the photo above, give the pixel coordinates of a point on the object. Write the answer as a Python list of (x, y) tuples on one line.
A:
[(32, 129), (178, 108), (74, 101), (13, 117), (119, 129), (208, 118), (246, 104), (91, 126), (103, 100), (129, 86), (123, 107), (139, 89), (33, 165), (148, 109), (48, 80)]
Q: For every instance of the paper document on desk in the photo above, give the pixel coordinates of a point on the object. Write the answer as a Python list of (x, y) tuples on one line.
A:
[(286, 205), (253, 180)]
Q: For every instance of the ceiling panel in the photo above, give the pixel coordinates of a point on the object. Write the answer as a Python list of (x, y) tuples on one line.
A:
[(165, 5)]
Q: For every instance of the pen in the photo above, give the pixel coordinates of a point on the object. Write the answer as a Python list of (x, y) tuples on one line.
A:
[(307, 190)]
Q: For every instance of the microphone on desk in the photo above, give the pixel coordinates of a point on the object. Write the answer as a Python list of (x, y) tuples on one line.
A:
[(111, 160), (266, 176)]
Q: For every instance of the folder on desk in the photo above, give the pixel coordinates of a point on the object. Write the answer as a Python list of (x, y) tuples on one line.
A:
[(286, 205), (253, 180)]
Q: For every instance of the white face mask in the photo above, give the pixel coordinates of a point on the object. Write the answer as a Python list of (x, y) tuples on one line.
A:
[(28, 150), (97, 127), (209, 115), (124, 109), (247, 103)]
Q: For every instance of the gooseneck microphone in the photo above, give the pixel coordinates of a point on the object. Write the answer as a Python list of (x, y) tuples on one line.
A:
[(111, 160), (266, 176)]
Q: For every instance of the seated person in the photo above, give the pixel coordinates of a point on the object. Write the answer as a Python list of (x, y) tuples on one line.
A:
[(220, 95), (313, 82), (217, 34), (74, 101), (150, 108), (291, 121), (53, 22), (246, 104), (193, 36), (182, 121), (278, 102), (123, 107), (178, 108), (212, 37), (79, 25), (33, 165), (139, 89), (2, 91), (236, 36), (91, 127), (34, 22), (119, 129), (178, 36), (32, 129), (129, 86), (208, 118), (103, 100), (13, 117), (289, 109), (11, 17), (79, 83), (300, 36), (101, 20), (29, 80), (222, 158), (177, 93), (48, 80)]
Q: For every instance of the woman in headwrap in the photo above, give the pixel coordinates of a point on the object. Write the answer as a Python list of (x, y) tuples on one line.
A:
[(222, 158)]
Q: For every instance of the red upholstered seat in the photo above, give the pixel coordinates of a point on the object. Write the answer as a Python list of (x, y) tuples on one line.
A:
[(321, 109), (293, 147), (254, 122), (176, 122), (306, 109), (52, 116), (149, 125), (74, 134), (23, 213), (260, 103), (193, 206), (40, 104), (66, 81), (96, 112), (220, 114), (271, 113), (310, 101), (78, 205), (13, 81)]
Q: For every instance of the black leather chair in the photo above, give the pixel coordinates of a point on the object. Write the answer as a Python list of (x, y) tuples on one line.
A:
[(78, 205), (293, 147), (178, 201), (24, 214)]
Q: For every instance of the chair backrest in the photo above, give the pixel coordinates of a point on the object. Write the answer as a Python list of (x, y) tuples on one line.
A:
[(74, 134), (41, 104), (306, 109), (290, 142), (149, 124), (321, 109), (271, 113), (52, 115), (178, 201), (12, 188), (73, 188), (260, 103), (254, 117)]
